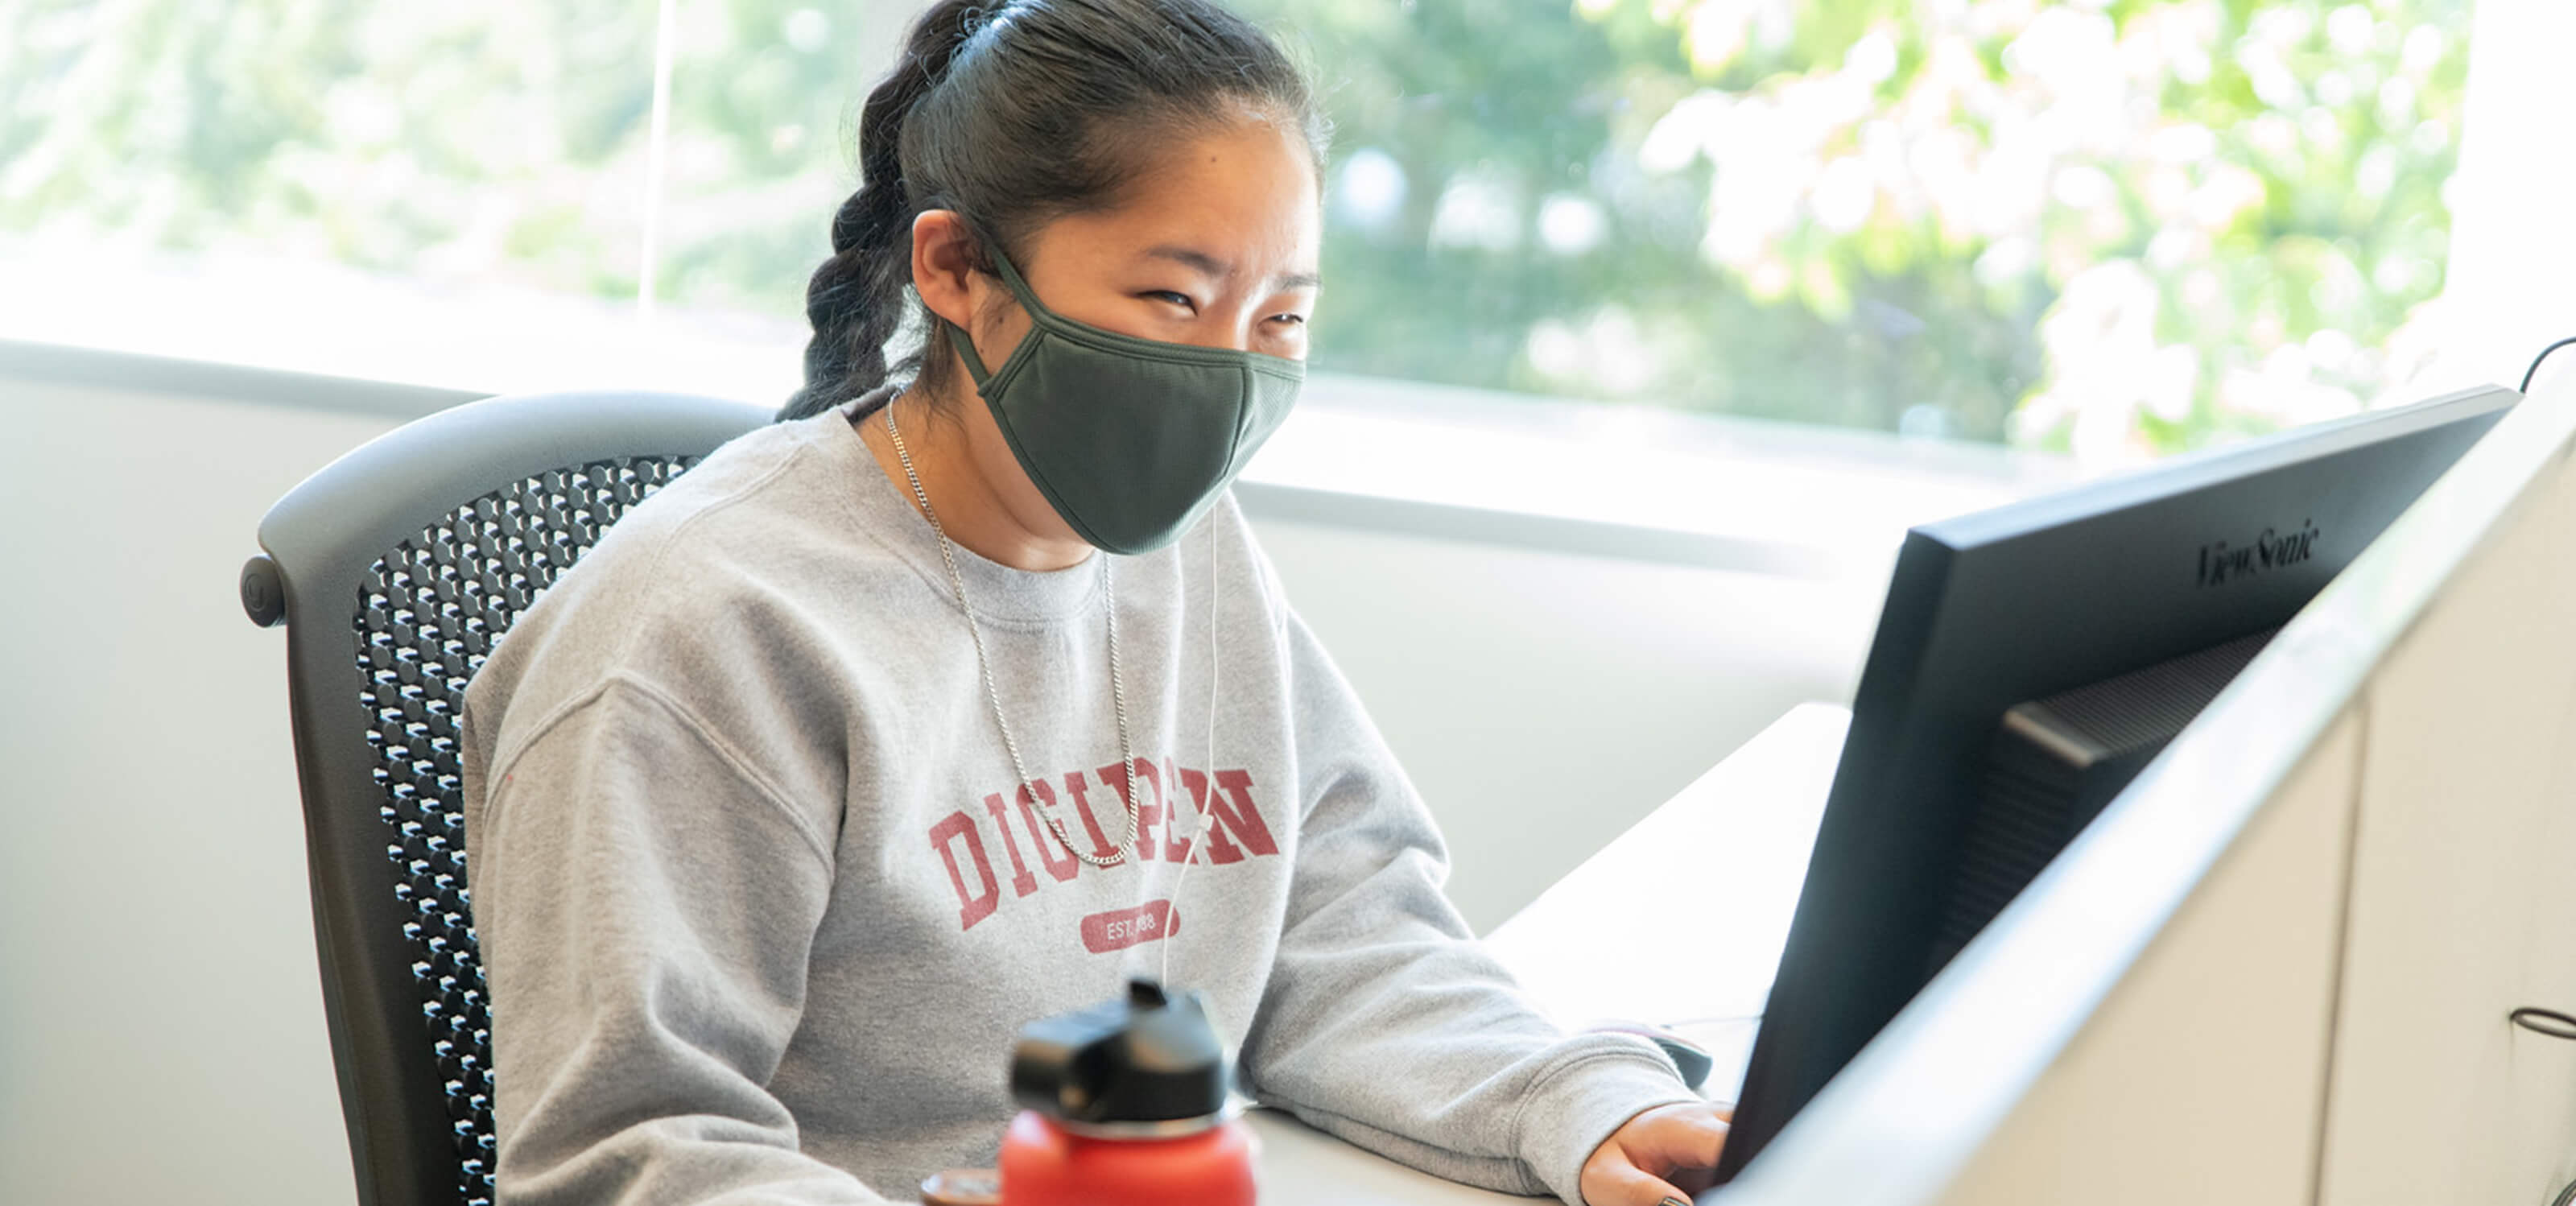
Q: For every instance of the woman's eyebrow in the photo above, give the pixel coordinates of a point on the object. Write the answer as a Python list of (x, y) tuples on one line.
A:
[(1219, 268)]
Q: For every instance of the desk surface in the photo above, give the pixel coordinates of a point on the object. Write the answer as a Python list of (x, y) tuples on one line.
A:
[(1302, 1166), (1679, 921)]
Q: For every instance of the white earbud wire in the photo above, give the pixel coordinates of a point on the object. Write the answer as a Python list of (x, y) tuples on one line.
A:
[(1172, 912)]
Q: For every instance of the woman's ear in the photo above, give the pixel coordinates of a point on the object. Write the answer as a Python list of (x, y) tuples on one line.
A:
[(943, 257), (941, 268)]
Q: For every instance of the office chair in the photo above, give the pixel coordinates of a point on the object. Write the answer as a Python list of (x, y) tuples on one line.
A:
[(396, 569)]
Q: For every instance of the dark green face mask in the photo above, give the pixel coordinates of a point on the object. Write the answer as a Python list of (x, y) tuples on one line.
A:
[(1130, 439)]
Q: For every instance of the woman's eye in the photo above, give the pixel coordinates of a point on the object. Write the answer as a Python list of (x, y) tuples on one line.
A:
[(1295, 318), (1177, 298)]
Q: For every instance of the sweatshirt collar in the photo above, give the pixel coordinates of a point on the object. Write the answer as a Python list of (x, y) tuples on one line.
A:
[(885, 511)]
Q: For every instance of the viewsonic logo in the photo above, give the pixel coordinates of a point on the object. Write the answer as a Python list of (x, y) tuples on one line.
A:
[(2221, 562)]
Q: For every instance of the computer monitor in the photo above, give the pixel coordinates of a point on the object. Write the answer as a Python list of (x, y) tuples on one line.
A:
[(2145, 590)]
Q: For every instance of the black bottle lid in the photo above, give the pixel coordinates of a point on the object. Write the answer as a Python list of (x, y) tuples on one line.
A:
[(1146, 1057)]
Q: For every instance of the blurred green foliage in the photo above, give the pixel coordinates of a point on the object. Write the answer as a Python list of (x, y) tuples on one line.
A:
[(2121, 226), (2132, 226), (488, 141)]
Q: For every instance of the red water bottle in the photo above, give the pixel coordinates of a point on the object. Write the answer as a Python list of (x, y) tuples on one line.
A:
[(1125, 1105)]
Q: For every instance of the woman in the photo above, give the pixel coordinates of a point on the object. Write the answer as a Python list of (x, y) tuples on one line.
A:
[(900, 722)]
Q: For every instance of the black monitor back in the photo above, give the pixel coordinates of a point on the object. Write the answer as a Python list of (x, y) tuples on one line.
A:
[(1989, 610)]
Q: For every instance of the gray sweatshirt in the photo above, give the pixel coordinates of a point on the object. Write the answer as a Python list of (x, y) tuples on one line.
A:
[(762, 910)]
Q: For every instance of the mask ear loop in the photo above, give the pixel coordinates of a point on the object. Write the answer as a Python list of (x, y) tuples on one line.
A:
[(1172, 912)]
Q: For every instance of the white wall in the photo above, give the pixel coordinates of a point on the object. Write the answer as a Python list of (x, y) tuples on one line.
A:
[(161, 1035), (1543, 702), (2510, 281)]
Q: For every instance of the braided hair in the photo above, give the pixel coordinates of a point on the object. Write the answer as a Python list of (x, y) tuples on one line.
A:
[(1013, 113)]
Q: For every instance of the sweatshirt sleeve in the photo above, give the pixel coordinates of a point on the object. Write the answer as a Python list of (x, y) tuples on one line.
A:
[(645, 902), (1386, 1022)]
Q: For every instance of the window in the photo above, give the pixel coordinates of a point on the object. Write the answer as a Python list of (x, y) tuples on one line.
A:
[(2120, 227), (2123, 226)]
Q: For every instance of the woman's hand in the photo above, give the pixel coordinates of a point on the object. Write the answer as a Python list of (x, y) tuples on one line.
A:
[(1664, 1153)]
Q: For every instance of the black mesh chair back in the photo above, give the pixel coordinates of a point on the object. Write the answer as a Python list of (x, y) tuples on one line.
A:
[(396, 569)]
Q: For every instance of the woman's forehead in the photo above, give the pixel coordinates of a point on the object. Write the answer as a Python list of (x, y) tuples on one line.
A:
[(1237, 204)]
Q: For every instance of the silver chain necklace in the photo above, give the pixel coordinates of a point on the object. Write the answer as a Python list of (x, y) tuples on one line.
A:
[(1117, 686)]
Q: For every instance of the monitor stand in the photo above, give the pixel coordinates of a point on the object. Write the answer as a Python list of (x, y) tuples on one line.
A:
[(2057, 762)]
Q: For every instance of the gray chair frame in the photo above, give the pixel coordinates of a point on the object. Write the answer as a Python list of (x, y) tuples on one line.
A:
[(415, 1101)]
